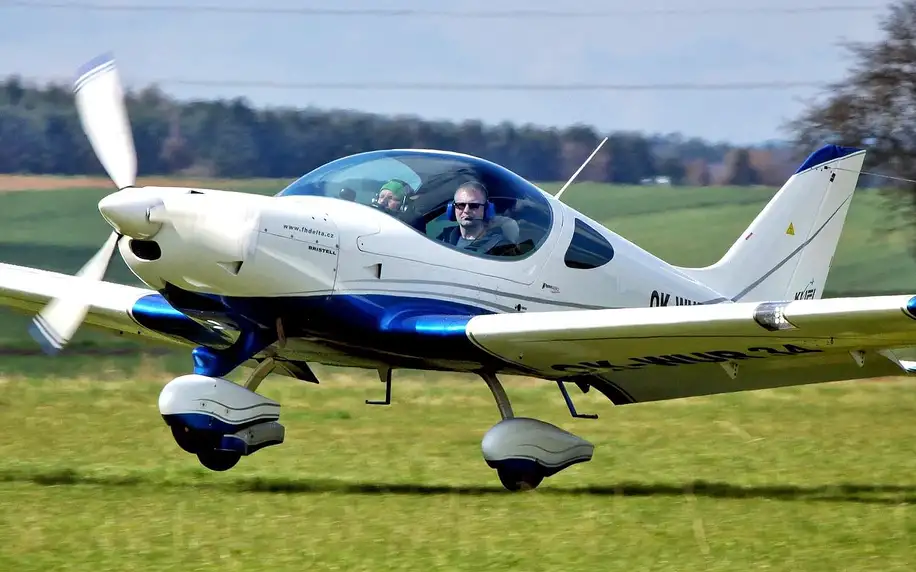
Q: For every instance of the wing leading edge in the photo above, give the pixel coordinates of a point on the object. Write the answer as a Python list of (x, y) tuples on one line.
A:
[(119, 309), (663, 353), (28, 290)]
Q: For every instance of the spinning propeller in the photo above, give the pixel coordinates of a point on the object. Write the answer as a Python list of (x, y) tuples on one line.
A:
[(100, 104)]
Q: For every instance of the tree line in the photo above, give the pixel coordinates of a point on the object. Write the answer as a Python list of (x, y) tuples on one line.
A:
[(873, 106), (40, 133)]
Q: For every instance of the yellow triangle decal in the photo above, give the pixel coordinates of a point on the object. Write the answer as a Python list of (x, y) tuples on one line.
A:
[(790, 230)]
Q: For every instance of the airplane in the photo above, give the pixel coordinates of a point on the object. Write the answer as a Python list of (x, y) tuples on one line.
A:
[(325, 273)]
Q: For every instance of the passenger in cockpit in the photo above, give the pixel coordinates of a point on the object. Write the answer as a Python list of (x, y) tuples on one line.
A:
[(479, 228), (391, 195)]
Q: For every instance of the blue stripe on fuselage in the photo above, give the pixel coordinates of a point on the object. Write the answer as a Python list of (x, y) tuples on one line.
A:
[(393, 329), (370, 324), (154, 312)]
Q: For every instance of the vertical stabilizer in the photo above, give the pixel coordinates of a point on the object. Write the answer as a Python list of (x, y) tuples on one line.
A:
[(787, 250)]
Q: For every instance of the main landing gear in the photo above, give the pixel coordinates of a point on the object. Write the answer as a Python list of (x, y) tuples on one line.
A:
[(525, 451), (220, 422)]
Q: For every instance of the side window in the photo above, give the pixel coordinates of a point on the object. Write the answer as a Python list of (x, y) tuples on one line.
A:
[(588, 249)]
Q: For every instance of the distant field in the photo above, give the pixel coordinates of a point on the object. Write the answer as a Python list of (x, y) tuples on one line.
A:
[(54, 182), (817, 478), (60, 228)]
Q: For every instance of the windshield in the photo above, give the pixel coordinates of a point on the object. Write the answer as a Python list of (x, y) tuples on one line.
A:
[(498, 212)]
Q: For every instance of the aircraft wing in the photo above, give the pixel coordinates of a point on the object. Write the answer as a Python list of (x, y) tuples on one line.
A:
[(119, 309), (650, 354), (28, 290)]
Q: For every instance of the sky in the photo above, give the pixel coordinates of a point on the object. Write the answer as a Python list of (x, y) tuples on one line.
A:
[(721, 42)]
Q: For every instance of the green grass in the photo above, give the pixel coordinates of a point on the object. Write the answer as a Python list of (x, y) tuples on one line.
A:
[(813, 478)]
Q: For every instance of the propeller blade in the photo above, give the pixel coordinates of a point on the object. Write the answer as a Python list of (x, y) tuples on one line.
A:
[(103, 115), (100, 103), (53, 327)]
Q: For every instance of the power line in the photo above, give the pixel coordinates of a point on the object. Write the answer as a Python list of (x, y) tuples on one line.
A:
[(425, 13), (468, 86)]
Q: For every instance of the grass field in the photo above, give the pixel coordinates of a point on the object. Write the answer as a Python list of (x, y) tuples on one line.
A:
[(814, 478)]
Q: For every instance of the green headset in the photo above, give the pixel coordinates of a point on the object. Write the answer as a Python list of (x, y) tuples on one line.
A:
[(398, 187)]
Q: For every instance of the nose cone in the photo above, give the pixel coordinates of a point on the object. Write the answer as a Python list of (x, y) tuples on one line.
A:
[(127, 211)]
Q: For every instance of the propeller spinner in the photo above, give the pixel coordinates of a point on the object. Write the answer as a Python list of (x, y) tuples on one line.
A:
[(100, 104)]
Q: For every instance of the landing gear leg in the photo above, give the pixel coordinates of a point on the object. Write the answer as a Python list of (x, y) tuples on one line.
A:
[(524, 451), (499, 394), (259, 373)]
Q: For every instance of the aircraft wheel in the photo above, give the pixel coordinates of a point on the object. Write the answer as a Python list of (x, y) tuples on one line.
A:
[(187, 439), (218, 460), (519, 480)]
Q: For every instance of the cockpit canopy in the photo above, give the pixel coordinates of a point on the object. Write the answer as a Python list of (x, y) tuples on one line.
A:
[(418, 187)]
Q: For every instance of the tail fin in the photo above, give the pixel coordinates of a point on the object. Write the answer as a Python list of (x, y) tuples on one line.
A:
[(787, 250)]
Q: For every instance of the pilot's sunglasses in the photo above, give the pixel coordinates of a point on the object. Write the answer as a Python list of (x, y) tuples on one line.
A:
[(462, 206)]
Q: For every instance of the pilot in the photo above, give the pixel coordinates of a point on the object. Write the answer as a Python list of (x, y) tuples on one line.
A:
[(478, 228), (391, 195)]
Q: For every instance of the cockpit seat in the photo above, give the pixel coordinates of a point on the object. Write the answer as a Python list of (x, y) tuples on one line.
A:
[(508, 226)]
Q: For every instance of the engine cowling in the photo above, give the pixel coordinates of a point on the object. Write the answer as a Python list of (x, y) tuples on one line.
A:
[(237, 244)]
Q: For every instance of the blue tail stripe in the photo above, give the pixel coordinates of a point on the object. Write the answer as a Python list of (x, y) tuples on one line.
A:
[(826, 154)]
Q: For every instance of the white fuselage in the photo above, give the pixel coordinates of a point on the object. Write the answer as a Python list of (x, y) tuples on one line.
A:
[(244, 245)]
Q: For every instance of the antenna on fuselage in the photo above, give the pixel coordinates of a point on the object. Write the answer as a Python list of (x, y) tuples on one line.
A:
[(579, 170)]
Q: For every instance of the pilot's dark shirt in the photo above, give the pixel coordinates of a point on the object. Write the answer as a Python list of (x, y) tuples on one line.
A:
[(492, 237)]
